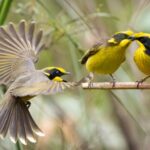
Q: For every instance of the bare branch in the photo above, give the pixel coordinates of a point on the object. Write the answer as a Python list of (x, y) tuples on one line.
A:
[(118, 85)]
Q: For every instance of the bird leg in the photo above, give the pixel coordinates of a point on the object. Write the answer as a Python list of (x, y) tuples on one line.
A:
[(141, 81), (88, 79), (28, 104), (113, 80)]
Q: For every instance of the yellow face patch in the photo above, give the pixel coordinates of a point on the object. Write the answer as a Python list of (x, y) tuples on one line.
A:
[(125, 42), (58, 79), (141, 34), (112, 41), (128, 32)]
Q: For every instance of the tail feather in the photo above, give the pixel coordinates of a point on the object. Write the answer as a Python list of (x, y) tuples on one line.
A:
[(34, 127), (14, 126), (21, 128), (29, 132), (6, 115), (16, 118)]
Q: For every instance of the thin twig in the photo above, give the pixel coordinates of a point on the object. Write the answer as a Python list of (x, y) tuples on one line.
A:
[(118, 85)]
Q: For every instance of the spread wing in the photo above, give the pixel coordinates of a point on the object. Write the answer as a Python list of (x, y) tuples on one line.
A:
[(19, 47), (91, 52), (36, 83)]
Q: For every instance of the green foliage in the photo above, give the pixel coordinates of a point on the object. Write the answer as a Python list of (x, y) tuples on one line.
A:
[(4, 10)]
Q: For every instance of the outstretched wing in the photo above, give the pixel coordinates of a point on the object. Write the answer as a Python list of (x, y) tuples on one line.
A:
[(19, 48), (91, 52), (37, 83)]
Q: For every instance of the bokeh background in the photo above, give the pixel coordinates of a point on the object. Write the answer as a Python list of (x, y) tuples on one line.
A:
[(80, 119)]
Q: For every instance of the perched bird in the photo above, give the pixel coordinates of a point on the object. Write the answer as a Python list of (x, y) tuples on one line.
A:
[(19, 49), (142, 54), (105, 58)]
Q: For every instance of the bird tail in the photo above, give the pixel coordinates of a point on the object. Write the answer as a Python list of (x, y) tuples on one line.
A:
[(16, 119)]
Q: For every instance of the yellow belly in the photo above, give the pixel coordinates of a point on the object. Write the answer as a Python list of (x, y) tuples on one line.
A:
[(106, 61), (142, 61)]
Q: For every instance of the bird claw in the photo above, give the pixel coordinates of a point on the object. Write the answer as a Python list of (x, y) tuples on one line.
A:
[(113, 84), (113, 81), (139, 82), (90, 84)]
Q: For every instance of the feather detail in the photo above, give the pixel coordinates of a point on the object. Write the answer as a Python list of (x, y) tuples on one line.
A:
[(19, 46), (15, 118)]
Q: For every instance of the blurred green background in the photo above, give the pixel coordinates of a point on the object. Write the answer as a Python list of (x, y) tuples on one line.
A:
[(80, 119)]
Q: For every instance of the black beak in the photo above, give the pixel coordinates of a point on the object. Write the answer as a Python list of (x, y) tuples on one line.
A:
[(132, 38)]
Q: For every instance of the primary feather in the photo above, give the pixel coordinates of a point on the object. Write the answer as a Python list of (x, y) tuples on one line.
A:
[(18, 50)]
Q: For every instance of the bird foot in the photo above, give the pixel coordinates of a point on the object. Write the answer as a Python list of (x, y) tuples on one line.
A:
[(90, 85), (113, 84), (88, 79), (113, 81), (141, 81)]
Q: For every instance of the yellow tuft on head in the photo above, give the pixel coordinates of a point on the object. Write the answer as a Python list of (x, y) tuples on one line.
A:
[(58, 68), (61, 69), (141, 34), (128, 32)]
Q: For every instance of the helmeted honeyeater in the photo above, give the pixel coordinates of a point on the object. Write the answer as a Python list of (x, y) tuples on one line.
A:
[(19, 49), (142, 54), (106, 57)]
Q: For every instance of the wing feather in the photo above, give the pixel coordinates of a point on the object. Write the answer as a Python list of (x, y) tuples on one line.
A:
[(90, 52), (19, 47), (28, 86)]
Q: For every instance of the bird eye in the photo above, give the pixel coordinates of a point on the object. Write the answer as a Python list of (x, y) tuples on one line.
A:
[(57, 72)]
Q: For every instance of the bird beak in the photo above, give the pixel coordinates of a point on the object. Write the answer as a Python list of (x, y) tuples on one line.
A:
[(132, 38), (67, 73)]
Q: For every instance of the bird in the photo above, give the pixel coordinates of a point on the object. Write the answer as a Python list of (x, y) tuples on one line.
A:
[(106, 57), (142, 54), (20, 46)]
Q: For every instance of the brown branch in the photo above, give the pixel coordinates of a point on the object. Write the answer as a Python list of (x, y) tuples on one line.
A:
[(118, 85)]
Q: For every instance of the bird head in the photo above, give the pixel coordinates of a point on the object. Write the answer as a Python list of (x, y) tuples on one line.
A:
[(141, 36), (55, 73), (123, 38), (143, 39)]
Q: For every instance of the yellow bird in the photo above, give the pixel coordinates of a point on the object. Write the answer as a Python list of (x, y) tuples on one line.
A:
[(19, 49), (142, 54), (105, 58)]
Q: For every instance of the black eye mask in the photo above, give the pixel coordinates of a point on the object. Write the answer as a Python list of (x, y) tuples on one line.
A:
[(54, 73), (146, 42)]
